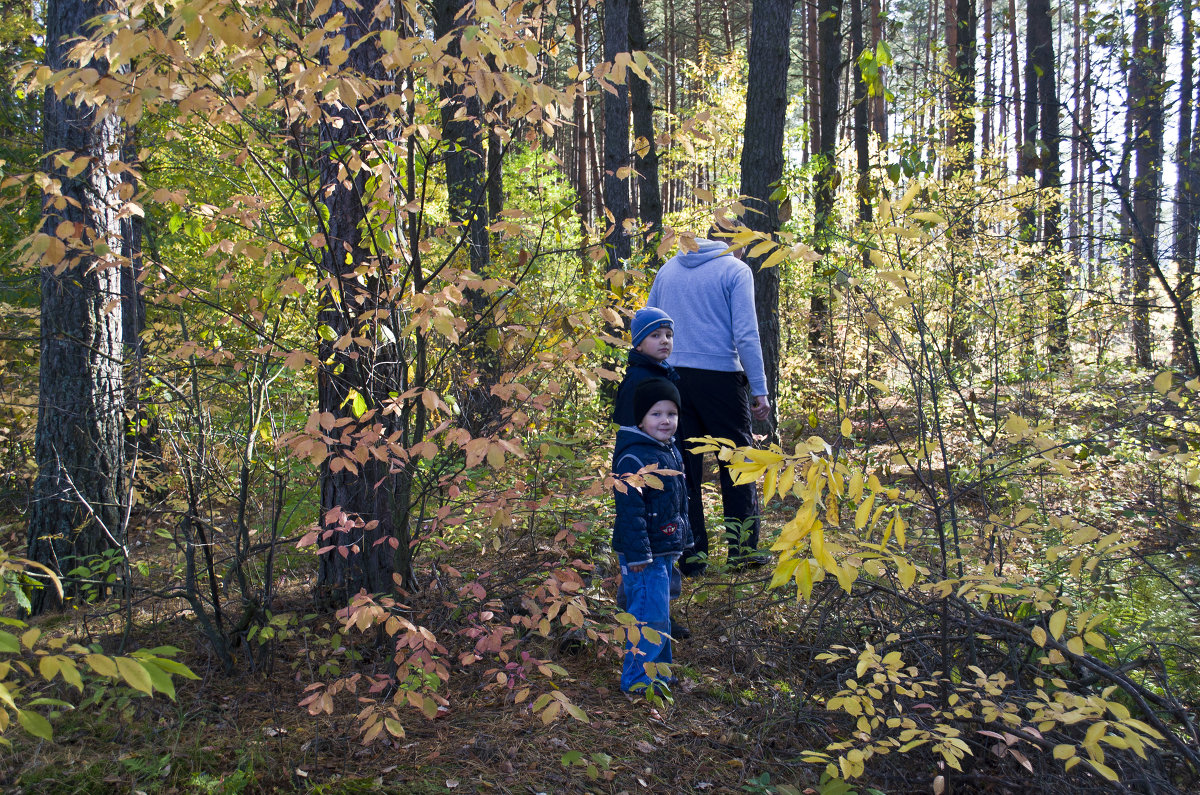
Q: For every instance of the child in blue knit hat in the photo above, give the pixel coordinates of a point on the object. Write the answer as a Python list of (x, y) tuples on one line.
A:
[(653, 333)]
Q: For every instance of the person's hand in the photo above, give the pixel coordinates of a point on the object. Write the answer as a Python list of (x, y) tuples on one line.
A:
[(638, 567), (760, 407)]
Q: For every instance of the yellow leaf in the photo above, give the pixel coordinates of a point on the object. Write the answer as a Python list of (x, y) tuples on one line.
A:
[(783, 572), (1058, 622), (1104, 770), (864, 512), (1163, 381), (1075, 644), (906, 572), (1039, 636), (1064, 751), (928, 217), (135, 675), (769, 483), (495, 457), (847, 427), (48, 667), (102, 665), (909, 195)]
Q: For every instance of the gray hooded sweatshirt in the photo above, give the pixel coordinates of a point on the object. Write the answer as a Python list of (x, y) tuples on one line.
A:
[(710, 297)]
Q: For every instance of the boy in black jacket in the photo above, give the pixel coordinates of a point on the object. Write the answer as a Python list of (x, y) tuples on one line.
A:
[(651, 529), (653, 334)]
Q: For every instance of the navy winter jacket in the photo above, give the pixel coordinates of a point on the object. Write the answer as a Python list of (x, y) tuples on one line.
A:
[(654, 521), (640, 368)]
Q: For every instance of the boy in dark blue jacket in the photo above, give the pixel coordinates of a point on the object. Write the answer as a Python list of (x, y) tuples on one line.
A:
[(651, 528), (653, 334)]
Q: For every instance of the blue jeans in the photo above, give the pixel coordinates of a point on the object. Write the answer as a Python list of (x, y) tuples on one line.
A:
[(676, 584), (648, 598)]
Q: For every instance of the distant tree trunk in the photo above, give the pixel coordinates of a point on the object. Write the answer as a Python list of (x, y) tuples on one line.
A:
[(581, 114), (963, 93), (470, 191), (365, 493), (814, 79), (645, 161), (1027, 167), (879, 101), (1018, 108), (1187, 196), (829, 14), (1049, 145), (769, 60), (79, 493), (989, 90), (1146, 90), (616, 137), (862, 121)]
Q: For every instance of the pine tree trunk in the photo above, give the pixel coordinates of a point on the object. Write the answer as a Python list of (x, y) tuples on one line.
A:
[(645, 161), (1146, 94), (1187, 193), (829, 14), (79, 494), (1049, 145), (616, 138), (361, 559), (769, 60)]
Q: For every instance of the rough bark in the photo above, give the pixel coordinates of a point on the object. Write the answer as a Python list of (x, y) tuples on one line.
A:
[(616, 138), (1049, 147), (645, 160), (829, 14), (361, 558), (768, 61), (79, 491), (1146, 93), (1187, 194)]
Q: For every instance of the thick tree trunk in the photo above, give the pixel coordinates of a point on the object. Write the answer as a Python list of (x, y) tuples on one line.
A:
[(829, 13), (645, 161), (616, 138), (1049, 146), (1027, 167), (1146, 92), (360, 558), (79, 493), (768, 60)]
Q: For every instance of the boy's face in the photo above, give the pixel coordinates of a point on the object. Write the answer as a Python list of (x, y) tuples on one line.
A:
[(658, 344), (661, 420)]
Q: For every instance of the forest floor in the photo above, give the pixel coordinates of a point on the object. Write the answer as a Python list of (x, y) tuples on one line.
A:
[(247, 733)]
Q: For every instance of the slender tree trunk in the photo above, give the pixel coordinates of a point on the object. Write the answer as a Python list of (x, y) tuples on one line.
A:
[(814, 79), (645, 161), (1027, 168), (989, 89), (79, 493), (829, 14), (879, 122), (616, 138), (769, 60), (1187, 193), (1146, 94), (1019, 125)]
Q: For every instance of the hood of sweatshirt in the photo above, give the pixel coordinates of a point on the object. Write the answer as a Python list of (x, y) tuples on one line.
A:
[(708, 250)]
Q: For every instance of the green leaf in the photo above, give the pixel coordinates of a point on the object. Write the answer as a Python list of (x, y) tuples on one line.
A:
[(326, 332), (135, 675), (571, 757), (35, 724), (9, 643), (160, 678)]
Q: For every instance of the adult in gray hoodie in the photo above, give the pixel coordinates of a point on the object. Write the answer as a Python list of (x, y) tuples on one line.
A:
[(709, 293)]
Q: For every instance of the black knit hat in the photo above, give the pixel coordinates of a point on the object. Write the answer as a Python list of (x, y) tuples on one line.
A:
[(650, 392)]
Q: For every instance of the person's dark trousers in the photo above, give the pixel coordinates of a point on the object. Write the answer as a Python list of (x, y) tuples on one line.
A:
[(717, 404)]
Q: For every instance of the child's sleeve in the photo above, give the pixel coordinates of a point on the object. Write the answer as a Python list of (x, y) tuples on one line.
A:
[(630, 536)]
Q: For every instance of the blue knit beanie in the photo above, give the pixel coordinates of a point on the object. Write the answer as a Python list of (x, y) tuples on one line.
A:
[(647, 320)]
